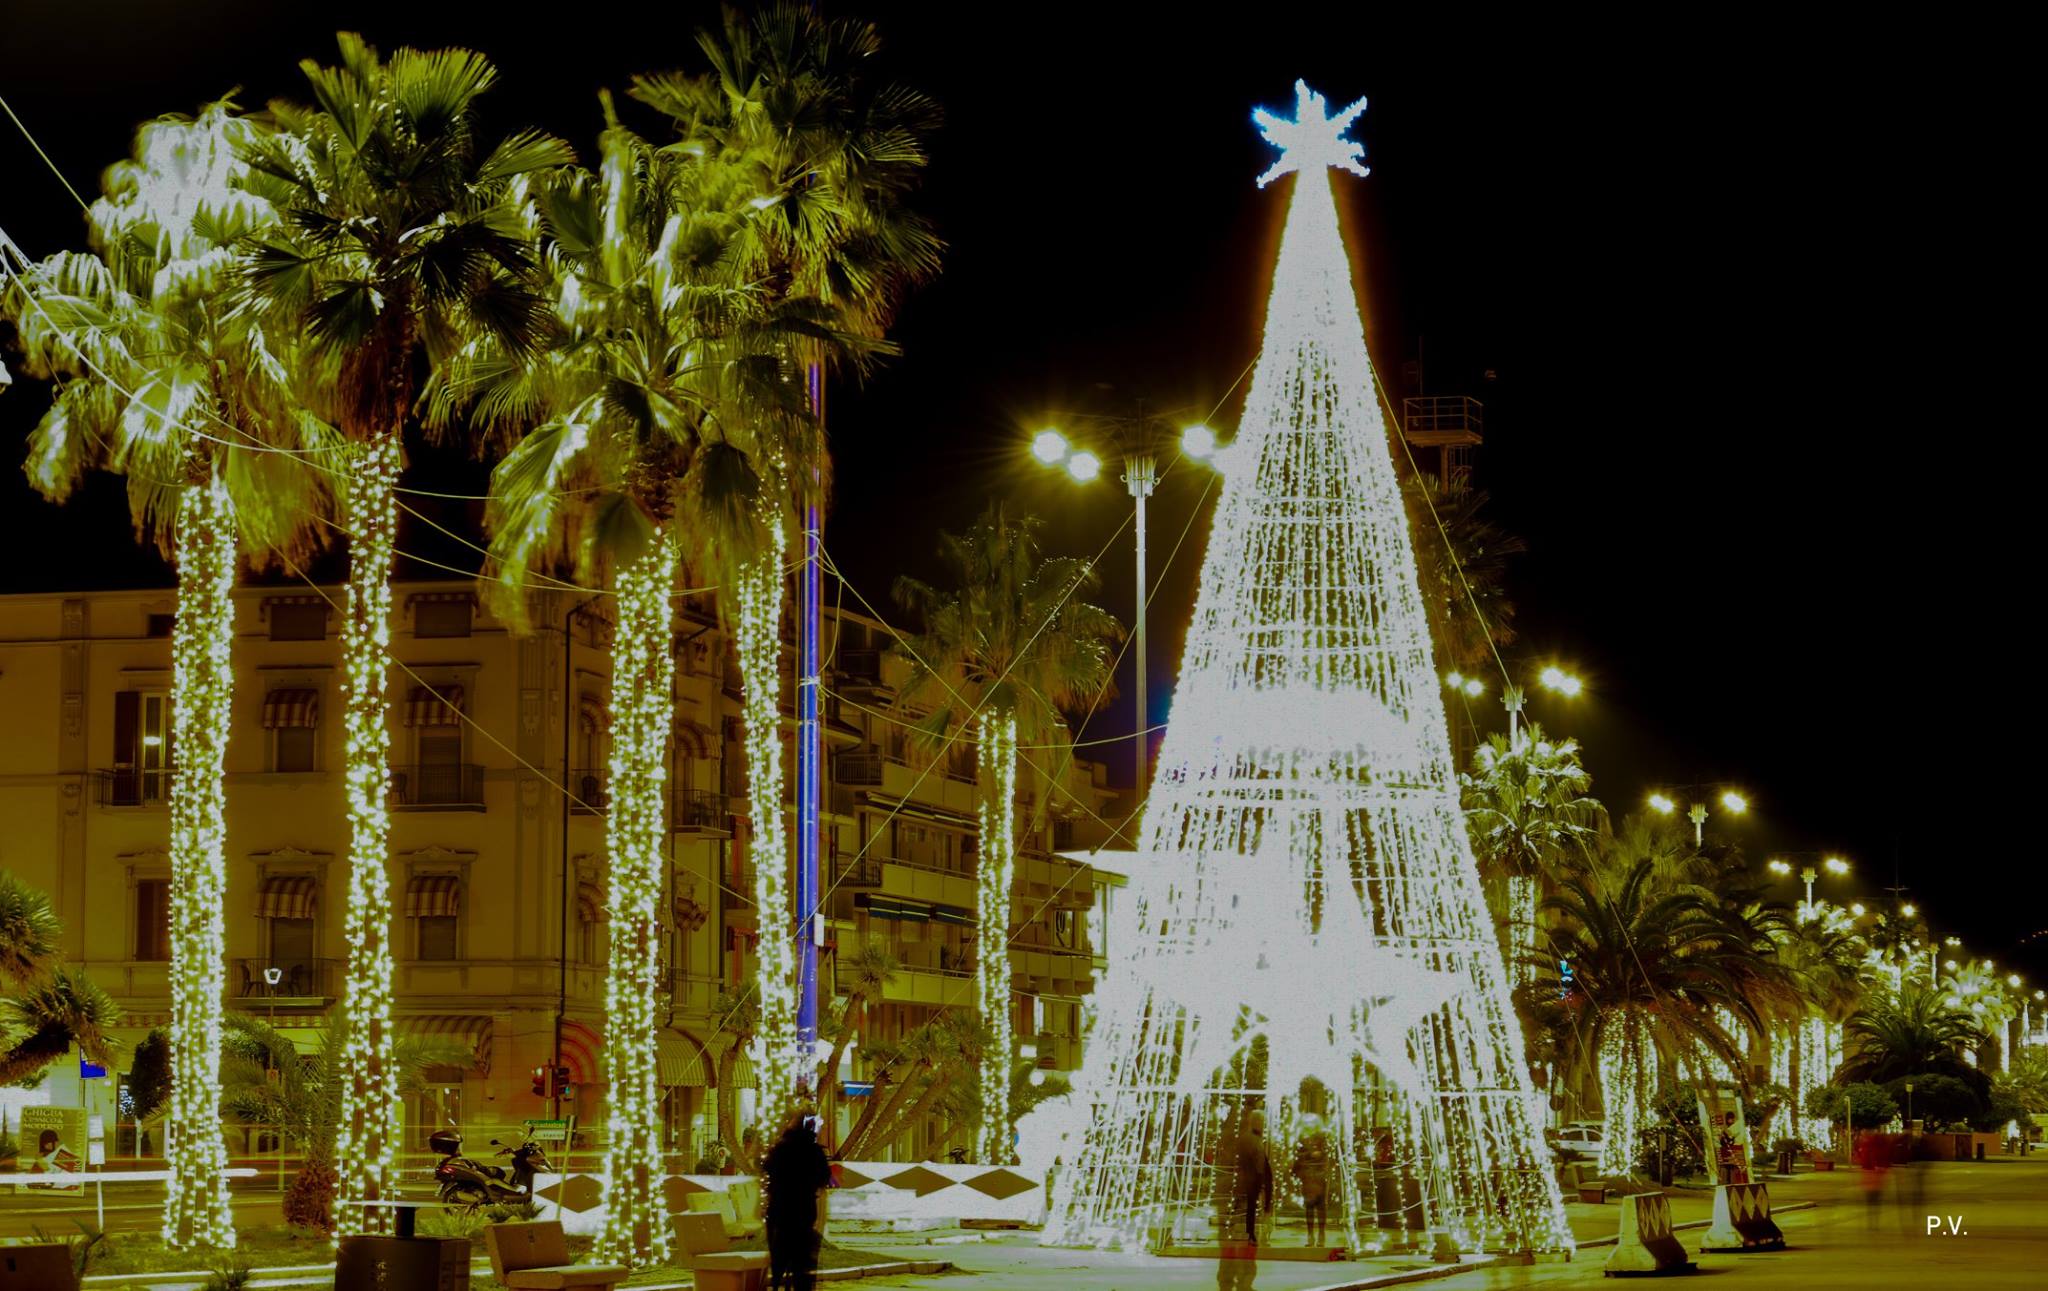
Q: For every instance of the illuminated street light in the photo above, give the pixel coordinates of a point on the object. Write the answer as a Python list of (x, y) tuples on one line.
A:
[(1951, 941), (1836, 865), (1777, 867), (1734, 801), (1949, 964), (1661, 805), (1084, 466), (1198, 442), (1049, 447), (1474, 687), (2013, 980), (1557, 679), (1856, 908), (1909, 910)]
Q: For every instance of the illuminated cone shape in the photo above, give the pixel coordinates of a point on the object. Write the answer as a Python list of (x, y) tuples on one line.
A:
[(1308, 899)]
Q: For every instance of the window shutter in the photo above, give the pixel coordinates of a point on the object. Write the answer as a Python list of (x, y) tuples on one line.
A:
[(127, 718)]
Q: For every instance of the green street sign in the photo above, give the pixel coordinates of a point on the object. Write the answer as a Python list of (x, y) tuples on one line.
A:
[(548, 1131)]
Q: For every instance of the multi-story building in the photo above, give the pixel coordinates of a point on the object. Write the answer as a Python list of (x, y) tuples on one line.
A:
[(498, 876)]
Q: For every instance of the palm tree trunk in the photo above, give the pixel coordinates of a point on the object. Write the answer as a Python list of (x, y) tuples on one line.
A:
[(758, 636), (997, 777), (636, 1229), (871, 1138), (856, 1138), (936, 1085), (1626, 1087), (196, 1207), (828, 1075), (367, 1136)]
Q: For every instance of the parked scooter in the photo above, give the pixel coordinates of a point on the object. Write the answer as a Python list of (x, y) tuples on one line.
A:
[(471, 1184)]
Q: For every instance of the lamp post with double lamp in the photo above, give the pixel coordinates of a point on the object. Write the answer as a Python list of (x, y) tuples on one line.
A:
[(1139, 440), (1551, 678), (1732, 800), (1782, 866)]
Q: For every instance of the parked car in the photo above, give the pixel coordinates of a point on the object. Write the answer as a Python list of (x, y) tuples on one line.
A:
[(1579, 1142)]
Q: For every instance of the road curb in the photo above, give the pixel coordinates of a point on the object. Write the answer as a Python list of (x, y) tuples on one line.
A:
[(1417, 1275), (1696, 1223)]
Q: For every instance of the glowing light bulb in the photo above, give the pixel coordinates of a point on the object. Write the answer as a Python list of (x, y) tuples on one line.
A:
[(1836, 865), (1562, 682), (1084, 466), (1661, 804), (1455, 680), (1856, 908), (1734, 802), (1909, 909), (2013, 980), (1049, 447), (1778, 867), (1475, 687), (1198, 442)]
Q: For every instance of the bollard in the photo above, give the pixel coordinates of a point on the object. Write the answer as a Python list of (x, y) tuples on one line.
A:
[(1646, 1246), (1742, 1220)]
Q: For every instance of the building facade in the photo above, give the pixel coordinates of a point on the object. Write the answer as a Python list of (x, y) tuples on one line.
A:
[(498, 873)]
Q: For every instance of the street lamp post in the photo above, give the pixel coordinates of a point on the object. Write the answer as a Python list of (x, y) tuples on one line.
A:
[(1732, 801), (1140, 477), (272, 975)]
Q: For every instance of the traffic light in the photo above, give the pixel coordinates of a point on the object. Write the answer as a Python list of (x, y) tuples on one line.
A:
[(561, 1080), (540, 1082), (544, 1086)]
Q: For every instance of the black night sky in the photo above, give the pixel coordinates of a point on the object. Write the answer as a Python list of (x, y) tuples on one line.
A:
[(1746, 291)]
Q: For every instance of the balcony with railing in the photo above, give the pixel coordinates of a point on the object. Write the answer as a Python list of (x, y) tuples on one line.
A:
[(132, 787), (860, 669), (1442, 420), (299, 981), (700, 811), (438, 786)]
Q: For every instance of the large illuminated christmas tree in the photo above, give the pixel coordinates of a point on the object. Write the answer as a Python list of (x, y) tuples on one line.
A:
[(1313, 941)]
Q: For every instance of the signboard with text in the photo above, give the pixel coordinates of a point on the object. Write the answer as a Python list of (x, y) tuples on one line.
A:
[(53, 1139)]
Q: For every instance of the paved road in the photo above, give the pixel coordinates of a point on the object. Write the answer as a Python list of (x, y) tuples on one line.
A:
[(2001, 1210)]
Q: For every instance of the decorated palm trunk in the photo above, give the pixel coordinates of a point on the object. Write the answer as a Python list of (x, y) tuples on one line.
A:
[(196, 1209), (782, 1069), (367, 1137), (996, 773), (1628, 1080), (636, 1228), (1314, 941)]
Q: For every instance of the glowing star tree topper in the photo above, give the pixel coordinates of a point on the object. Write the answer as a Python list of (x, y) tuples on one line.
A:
[(1309, 938), (1313, 138)]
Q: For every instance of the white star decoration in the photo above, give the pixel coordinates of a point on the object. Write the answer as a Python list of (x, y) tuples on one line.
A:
[(1302, 990), (1313, 138)]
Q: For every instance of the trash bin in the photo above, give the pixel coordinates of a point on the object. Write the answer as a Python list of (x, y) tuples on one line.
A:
[(1785, 1160), (376, 1263), (1980, 1151)]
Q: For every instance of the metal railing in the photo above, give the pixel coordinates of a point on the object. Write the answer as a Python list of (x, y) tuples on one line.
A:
[(858, 768), (298, 979), (701, 809), (132, 787), (438, 784), (1441, 414)]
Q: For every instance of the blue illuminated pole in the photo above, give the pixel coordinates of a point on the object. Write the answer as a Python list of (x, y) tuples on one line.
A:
[(809, 751)]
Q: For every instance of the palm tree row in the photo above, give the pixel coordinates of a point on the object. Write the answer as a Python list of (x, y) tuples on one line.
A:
[(275, 302)]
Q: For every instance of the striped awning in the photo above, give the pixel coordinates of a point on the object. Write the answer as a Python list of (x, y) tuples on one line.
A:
[(286, 896), (953, 914), (743, 1076), (589, 903), (689, 915), (431, 706), (460, 1028), (291, 708), (680, 1061), (581, 1051), (886, 908), (433, 896)]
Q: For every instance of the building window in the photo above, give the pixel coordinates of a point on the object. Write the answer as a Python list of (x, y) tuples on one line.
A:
[(285, 903), (442, 618), (142, 748), (298, 620), (292, 716), (433, 902), (153, 919)]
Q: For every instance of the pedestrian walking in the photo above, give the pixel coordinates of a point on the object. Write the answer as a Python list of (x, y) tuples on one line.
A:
[(793, 1173), (1254, 1175), (1874, 1158), (1312, 1175)]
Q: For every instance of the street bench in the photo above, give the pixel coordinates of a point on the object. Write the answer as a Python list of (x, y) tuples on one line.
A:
[(536, 1256), (703, 1248)]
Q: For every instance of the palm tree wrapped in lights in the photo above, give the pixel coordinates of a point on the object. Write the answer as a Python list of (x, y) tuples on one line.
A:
[(398, 242), (655, 426), (160, 381), (1009, 650), (1528, 811)]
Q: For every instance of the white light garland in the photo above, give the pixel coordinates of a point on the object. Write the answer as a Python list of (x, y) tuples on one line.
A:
[(1307, 897), (758, 638), (196, 1206), (636, 1226), (366, 1141), (1627, 1084), (996, 869)]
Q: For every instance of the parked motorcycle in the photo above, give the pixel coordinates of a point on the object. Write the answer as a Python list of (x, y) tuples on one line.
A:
[(470, 1184)]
